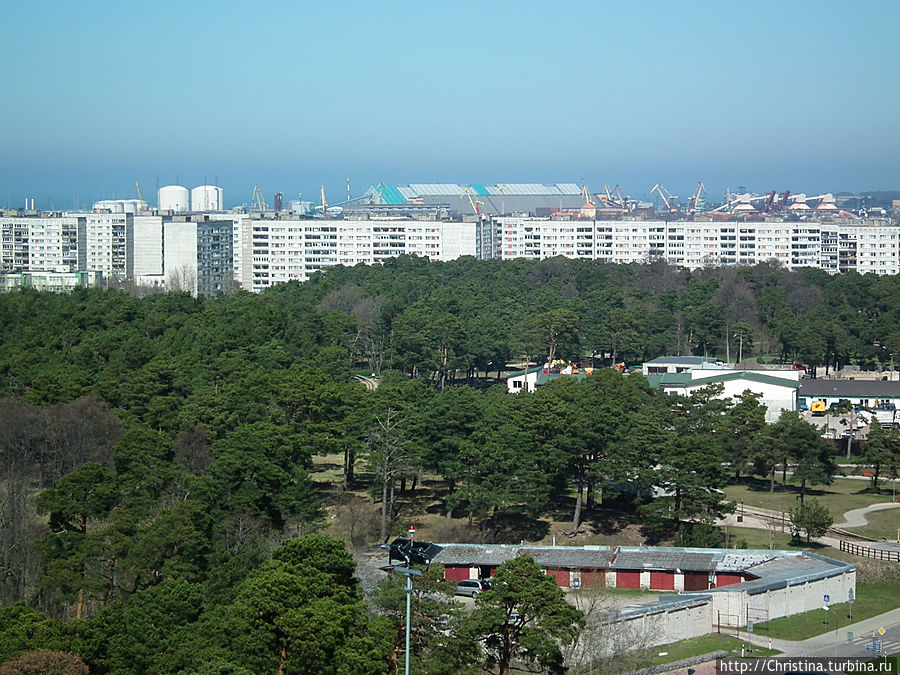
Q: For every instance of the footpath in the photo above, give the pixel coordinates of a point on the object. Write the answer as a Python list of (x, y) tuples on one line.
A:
[(767, 519)]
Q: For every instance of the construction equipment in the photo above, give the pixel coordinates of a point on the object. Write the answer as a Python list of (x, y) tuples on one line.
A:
[(476, 205), (667, 197), (782, 201), (695, 199), (142, 203), (258, 199), (586, 195)]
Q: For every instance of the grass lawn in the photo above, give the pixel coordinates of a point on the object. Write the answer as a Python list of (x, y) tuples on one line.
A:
[(705, 645), (844, 494), (755, 538), (871, 600), (882, 525)]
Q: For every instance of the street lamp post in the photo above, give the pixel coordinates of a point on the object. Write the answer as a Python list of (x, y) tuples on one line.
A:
[(412, 554), (412, 533)]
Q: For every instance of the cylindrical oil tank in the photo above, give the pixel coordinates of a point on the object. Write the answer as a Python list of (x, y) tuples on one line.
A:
[(206, 198), (173, 198)]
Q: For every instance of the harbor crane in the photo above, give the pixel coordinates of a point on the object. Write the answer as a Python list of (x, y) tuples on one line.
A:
[(476, 204), (142, 205), (695, 199), (586, 195), (258, 199), (667, 197)]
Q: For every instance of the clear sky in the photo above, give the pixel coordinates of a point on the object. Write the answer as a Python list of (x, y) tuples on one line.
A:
[(290, 95)]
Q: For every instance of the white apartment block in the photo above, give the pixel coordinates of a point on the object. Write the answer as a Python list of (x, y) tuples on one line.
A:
[(693, 244), (106, 244), (287, 249), (39, 244), (262, 251), (197, 256)]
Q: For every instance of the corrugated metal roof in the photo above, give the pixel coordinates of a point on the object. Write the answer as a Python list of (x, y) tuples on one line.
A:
[(663, 559), (681, 360), (545, 556), (480, 190), (535, 189), (386, 194), (751, 376), (790, 570), (442, 189), (846, 388)]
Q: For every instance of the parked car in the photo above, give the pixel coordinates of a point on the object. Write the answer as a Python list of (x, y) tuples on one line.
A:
[(471, 587)]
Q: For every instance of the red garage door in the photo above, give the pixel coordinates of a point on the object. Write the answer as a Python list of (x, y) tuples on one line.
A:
[(593, 578), (726, 579), (456, 573), (561, 577), (662, 581), (696, 581), (627, 579)]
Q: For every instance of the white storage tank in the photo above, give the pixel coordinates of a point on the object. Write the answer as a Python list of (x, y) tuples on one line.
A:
[(134, 206), (173, 198), (206, 198)]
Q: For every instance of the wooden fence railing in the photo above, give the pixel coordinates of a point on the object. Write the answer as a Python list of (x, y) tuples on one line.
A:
[(868, 552)]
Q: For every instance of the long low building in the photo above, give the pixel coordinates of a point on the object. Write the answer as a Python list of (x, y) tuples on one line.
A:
[(713, 588), (275, 250), (867, 247)]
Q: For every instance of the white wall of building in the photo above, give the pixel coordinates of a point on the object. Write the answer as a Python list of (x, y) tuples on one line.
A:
[(148, 245), (457, 240), (180, 257)]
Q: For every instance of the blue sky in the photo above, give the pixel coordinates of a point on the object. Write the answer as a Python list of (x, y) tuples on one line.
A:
[(291, 95)]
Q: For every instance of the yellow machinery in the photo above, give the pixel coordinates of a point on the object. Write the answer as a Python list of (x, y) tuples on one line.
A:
[(476, 205)]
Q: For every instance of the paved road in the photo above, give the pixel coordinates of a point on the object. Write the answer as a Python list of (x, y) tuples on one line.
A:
[(857, 517), (767, 519), (370, 382), (824, 645)]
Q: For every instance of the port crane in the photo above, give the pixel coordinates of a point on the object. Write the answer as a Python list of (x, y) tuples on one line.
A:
[(586, 195), (476, 204), (695, 199), (142, 205), (258, 199), (667, 197)]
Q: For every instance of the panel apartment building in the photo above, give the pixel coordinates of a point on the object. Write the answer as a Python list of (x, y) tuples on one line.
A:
[(278, 250), (834, 247), (119, 247)]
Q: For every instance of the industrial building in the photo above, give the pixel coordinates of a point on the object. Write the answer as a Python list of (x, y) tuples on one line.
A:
[(476, 199), (702, 590)]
